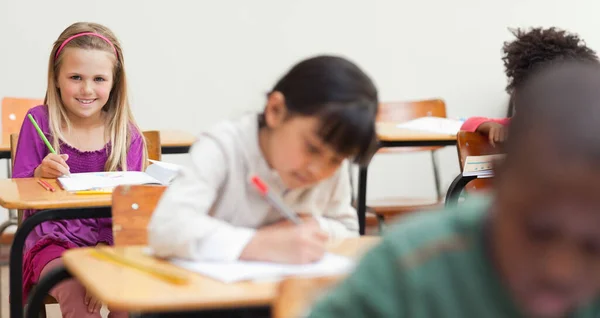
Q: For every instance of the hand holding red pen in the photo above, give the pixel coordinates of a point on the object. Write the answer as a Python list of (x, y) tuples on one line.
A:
[(287, 242), (296, 240)]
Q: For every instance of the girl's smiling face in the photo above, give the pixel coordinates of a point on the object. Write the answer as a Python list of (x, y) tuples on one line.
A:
[(85, 80)]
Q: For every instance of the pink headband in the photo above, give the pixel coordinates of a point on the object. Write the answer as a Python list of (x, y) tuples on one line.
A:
[(82, 34)]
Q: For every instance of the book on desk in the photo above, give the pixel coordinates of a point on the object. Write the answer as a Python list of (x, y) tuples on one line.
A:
[(159, 173)]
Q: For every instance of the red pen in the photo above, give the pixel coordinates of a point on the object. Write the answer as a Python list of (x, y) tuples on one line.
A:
[(274, 200)]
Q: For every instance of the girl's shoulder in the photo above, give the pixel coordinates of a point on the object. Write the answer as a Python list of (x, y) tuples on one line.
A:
[(41, 116), (40, 111), (135, 133)]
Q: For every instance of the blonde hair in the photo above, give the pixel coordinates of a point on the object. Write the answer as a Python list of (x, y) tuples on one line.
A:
[(120, 123)]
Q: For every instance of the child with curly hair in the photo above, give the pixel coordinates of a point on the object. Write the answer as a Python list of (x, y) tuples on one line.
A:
[(530, 50)]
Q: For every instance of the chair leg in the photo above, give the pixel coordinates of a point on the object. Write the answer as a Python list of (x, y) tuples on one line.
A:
[(436, 176), (43, 312)]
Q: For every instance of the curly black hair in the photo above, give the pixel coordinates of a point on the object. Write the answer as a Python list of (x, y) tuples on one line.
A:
[(538, 46)]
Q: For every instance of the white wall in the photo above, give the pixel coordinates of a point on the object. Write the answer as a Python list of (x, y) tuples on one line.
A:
[(191, 63)]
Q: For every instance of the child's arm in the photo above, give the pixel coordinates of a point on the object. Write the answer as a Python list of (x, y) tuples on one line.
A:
[(375, 289), (339, 219), (473, 123), (31, 150), (181, 226)]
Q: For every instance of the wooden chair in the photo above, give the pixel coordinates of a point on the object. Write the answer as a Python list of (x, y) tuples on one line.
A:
[(296, 295), (132, 208), (14, 139), (401, 112), (152, 138), (475, 144), (13, 114)]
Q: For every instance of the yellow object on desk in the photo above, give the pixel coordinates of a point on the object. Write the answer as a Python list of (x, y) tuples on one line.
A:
[(169, 276), (96, 191)]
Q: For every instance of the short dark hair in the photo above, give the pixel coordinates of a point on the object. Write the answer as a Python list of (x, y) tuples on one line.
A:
[(342, 96), (536, 47)]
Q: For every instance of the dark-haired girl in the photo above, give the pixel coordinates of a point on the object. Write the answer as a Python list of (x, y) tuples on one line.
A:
[(319, 114)]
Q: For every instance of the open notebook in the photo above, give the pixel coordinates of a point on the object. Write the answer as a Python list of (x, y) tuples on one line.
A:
[(157, 173), (230, 272), (439, 125), (480, 166)]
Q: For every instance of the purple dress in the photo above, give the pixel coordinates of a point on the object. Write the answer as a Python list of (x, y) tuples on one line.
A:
[(51, 238)]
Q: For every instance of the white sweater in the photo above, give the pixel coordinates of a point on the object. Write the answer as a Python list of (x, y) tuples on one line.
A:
[(211, 211)]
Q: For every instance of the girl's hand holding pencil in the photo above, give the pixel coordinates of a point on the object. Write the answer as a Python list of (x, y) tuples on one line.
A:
[(54, 165)]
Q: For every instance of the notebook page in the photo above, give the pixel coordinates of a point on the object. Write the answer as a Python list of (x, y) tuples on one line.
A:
[(163, 171), (438, 125), (230, 272), (96, 180)]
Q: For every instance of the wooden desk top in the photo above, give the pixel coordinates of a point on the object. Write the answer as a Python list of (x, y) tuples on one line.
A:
[(128, 289), (175, 138), (26, 193), (389, 131)]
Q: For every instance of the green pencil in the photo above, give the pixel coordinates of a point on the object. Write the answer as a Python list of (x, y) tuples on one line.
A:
[(42, 135)]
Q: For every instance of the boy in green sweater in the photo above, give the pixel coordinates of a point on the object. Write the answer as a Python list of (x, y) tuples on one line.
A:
[(530, 250)]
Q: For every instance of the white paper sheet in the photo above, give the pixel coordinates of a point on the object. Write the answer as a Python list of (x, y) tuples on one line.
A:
[(103, 180), (438, 125), (230, 272)]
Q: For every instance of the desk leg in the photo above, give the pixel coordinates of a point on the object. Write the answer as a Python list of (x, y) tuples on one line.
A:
[(455, 189), (16, 250), (46, 283), (361, 204)]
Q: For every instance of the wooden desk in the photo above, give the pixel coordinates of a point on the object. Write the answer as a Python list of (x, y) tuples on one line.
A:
[(175, 141), (127, 289), (26, 193), (391, 136), (390, 132)]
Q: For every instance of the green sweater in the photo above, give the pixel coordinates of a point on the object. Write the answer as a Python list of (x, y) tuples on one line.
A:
[(432, 264)]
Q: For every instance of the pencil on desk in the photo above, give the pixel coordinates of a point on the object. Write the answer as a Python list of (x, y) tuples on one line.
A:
[(169, 276), (46, 185), (98, 191)]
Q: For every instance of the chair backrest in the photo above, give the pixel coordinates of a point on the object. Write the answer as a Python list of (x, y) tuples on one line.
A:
[(404, 111), (475, 144), (132, 207), (296, 295), (14, 139), (152, 138), (13, 114)]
